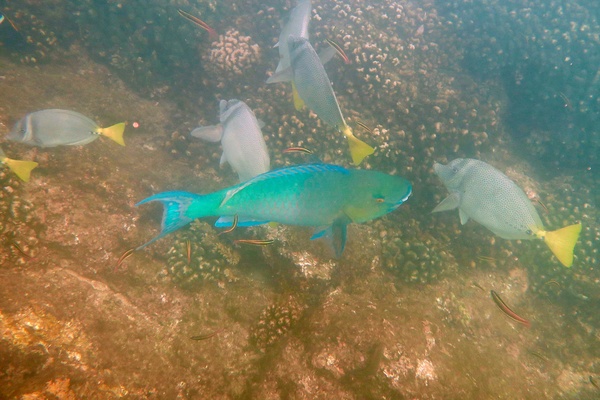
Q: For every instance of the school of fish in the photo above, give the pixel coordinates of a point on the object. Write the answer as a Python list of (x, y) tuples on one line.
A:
[(323, 196)]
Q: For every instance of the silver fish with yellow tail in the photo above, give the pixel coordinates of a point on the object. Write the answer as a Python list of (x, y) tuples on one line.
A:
[(312, 88), (54, 127), (486, 195)]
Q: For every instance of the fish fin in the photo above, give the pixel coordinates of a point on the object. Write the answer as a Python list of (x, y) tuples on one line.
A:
[(223, 159), (284, 75), (335, 234), (327, 54), (464, 218), (212, 133), (562, 242), (261, 123), (227, 222), (298, 102), (358, 149), (21, 168), (115, 132), (449, 203), (175, 215)]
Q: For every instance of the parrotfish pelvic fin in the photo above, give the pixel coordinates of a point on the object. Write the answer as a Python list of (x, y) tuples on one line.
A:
[(358, 149), (335, 235), (298, 102), (562, 242), (21, 168), (114, 132)]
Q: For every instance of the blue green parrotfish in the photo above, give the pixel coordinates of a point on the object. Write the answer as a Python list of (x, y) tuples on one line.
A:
[(327, 197)]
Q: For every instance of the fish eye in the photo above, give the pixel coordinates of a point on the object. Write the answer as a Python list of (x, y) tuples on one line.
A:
[(379, 199), (529, 232)]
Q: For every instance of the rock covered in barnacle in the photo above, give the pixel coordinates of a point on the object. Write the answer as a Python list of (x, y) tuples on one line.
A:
[(417, 257), (17, 230), (231, 55), (275, 321), (209, 258)]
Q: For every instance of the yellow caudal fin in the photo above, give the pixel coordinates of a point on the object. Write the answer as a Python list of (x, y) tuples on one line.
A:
[(298, 102), (114, 132), (562, 242), (358, 149), (21, 168)]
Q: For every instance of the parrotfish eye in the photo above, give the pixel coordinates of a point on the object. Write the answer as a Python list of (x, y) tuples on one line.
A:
[(379, 199)]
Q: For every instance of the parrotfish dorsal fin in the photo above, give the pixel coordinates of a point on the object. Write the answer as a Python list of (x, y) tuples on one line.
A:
[(114, 132), (21, 168), (298, 102), (358, 149), (562, 242)]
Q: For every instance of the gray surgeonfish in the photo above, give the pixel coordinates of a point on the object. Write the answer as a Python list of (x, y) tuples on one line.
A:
[(296, 24), (54, 127), (486, 195), (313, 89), (239, 132)]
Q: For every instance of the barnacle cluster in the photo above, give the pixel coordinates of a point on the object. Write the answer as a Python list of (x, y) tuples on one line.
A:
[(231, 55), (549, 71), (197, 255), (274, 322), (16, 230), (416, 258)]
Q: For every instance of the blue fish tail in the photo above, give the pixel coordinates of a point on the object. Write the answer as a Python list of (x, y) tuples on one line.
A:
[(181, 208)]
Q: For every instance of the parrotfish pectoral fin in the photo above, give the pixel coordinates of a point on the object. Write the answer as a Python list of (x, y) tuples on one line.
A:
[(175, 214), (562, 242), (449, 203), (298, 102), (358, 149), (21, 168), (114, 132), (335, 235), (212, 133)]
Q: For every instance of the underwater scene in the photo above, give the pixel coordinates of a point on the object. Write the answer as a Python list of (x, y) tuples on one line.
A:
[(299, 199)]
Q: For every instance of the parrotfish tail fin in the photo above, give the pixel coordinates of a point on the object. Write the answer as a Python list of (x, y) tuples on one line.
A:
[(562, 242), (115, 132), (21, 168), (358, 149), (177, 213), (335, 235), (298, 102)]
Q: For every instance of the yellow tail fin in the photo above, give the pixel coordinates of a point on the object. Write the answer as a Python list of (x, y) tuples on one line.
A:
[(562, 242), (298, 102), (358, 149), (21, 168), (114, 132)]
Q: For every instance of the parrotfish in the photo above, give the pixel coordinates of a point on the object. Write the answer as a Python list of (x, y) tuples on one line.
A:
[(296, 24), (244, 146), (21, 168), (313, 88), (325, 196), (486, 195), (54, 127)]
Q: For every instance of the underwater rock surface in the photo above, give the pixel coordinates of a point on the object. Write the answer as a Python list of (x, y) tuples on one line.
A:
[(405, 313)]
